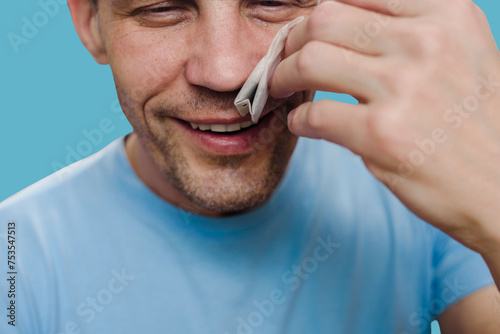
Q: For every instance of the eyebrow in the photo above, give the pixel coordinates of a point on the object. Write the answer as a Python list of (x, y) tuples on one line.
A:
[(125, 6), (121, 2), (127, 2)]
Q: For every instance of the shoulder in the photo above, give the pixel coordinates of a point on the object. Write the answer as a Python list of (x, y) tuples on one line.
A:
[(61, 187)]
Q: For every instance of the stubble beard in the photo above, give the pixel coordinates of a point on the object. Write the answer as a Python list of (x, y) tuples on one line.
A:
[(231, 184), (224, 184)]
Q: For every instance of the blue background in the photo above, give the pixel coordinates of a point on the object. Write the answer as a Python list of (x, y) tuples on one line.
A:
[(53, 93)]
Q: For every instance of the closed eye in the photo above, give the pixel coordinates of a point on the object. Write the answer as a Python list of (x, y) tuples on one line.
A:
[(271, 3), (162, 9)]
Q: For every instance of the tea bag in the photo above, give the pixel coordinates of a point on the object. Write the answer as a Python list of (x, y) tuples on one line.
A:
[(254, 93)]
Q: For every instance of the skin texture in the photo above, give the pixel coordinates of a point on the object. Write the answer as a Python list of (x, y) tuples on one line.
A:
[(193, 76), (409, 78), (427, 124)]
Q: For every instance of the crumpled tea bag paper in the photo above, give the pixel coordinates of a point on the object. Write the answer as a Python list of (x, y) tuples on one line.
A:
[(254, 93)]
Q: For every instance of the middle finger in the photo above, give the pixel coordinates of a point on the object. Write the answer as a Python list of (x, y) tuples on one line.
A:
[(343, 25)]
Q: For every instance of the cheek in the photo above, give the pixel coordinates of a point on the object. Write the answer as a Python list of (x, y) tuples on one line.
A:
[(144, 63)]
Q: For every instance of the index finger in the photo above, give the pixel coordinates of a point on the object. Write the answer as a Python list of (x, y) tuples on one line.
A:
[(403, 8), (340, 24)]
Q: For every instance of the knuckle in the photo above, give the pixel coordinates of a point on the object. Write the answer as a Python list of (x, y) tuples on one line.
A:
[(461, 10), (431, 40), (314, 117), (465, 7), (305, 63), (403, 33), (423, 40), (403, 78), (478, 14), (321, 18), (387, 132), (474, 8), (395, 80)]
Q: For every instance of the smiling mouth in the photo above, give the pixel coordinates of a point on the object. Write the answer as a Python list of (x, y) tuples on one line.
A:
[(224, 128), (227, 129), (236, 136)]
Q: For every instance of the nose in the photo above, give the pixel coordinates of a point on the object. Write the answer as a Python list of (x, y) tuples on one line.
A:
[(223, 55)]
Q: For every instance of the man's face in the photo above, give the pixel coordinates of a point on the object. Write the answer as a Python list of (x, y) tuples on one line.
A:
[(182, 62)]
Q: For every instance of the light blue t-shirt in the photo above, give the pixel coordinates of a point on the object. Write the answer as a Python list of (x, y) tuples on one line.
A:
[(332, 251)]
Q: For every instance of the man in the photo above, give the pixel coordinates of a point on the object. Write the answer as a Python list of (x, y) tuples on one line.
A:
[(199, 222)]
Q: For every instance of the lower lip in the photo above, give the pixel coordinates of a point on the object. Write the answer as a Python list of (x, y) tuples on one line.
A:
[(233, 144)]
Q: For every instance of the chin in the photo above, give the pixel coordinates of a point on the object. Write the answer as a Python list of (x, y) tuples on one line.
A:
[(232, 184), (230, 195)]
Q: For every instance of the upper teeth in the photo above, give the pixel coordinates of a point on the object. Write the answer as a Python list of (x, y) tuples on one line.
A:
[(222, 127)]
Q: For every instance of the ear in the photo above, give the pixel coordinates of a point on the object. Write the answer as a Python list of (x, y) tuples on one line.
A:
[(86, 24)]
